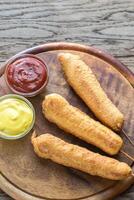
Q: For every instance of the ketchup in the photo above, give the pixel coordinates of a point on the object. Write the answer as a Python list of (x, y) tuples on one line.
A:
[(27, 74)]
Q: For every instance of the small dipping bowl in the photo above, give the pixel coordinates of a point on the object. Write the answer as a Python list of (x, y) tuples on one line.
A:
[(17, 116), (26, 75)]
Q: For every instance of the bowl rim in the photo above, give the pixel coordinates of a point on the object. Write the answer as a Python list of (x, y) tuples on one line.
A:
[(15, 96), (29, 94)]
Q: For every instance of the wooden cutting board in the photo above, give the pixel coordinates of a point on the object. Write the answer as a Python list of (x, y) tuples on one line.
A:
[(24, 176)]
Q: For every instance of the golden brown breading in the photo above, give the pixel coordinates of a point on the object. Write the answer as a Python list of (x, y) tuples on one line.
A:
[(86, 85), (57, 110), (50, 147)]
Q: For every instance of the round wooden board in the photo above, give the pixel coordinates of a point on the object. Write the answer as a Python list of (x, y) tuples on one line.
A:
[(24, 176)]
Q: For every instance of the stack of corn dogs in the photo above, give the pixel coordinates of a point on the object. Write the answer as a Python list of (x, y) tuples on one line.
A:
[(73, 121)]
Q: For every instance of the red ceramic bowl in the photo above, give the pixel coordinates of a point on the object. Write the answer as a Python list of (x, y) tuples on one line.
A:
[(26, 75)]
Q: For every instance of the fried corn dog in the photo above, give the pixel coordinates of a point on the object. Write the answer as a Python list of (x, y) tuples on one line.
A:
[(86, 85), (50, 147), (72, 120)]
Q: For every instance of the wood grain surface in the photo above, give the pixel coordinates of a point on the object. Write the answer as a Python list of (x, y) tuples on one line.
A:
[(40, 178), (108, 25)]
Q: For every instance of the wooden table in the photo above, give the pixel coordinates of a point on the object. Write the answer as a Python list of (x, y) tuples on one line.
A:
[(108, 25)]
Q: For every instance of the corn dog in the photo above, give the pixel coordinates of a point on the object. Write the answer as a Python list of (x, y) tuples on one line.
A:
[(57, 110), (86, 85), (50, 147)]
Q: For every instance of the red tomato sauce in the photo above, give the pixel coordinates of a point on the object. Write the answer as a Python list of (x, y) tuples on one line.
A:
[(26, 74)]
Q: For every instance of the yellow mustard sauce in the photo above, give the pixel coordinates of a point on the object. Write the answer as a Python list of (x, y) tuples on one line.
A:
[(15, 116)]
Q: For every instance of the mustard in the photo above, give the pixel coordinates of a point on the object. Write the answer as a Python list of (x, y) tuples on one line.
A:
[(16, 116)]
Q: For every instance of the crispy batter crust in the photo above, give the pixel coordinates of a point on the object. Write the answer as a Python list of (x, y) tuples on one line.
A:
[(57, 110), (50, 147), (86, 85)]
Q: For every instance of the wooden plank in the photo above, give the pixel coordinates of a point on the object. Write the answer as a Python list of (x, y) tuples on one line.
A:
[(104, 24)]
